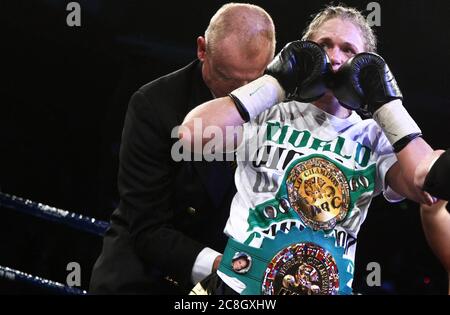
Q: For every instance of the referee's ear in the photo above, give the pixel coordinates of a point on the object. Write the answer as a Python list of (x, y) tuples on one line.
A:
[(201, 48)]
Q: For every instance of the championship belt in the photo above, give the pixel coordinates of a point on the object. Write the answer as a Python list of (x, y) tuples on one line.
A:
[(294, 263), (298, 254)]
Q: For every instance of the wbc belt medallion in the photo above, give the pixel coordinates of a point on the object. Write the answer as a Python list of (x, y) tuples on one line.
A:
[(319, 192), (298, 262), (302, 269)]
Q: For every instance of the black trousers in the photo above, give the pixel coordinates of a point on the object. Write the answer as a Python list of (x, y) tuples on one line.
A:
[(212, 285)]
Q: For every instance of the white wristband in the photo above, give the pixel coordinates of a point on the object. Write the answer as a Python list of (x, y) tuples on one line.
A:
[(259, 95), (395, 121)]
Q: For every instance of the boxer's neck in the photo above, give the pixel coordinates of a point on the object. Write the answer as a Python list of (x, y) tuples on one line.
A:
[(328, 103)]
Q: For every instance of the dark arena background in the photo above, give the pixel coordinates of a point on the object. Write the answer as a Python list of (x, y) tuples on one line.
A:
[(64, 95)]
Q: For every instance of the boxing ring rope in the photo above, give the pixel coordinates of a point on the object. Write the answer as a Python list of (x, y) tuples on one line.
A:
[(15, 275), (74, 220), (40, 210)]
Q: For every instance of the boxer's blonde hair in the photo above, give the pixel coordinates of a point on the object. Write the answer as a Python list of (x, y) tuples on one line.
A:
[(345, 13), (248, 22)]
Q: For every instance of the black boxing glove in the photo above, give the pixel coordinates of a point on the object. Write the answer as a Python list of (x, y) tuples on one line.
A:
[(366, 83), (298, 72), (301, 68)]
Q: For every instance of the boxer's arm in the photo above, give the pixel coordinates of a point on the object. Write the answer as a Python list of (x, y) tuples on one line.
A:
[(227, 115), (366, 82), (402, 176), (219, 113), (436, 226)]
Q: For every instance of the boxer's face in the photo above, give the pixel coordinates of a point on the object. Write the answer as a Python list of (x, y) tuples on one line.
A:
[(229, 68), (341, 40)]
